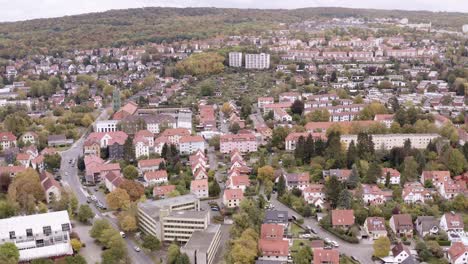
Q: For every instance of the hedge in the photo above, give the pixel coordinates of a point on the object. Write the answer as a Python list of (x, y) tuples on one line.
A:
[(350, 239)]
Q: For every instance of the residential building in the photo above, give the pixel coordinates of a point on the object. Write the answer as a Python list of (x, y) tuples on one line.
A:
[(375, 227), (52, 188), (191, 144), (199, 188), (341, 174), (452, 222), (238, 182), (235, 59), (292, 139), (203, 245), (7, 140), (38, 236), (150, 165), (326, 256), (342, 218), (394, 176), (414, 192), (156, 177), (103, 126), (232, 197), (276, 217), (272, 231), (427, 225), (56, 140), (162, 191), (262, 101), (273, 249), (297, 180), (386, 119), (458, 253), (241, 142), (389, 141), (257, 61), (402, 225), (30, 137), (400, 254), (314, 194)]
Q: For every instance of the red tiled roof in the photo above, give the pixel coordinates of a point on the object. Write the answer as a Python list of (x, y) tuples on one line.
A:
[(331, 256), (233, 194), (163, 190), (272, 231), (273, 247), (199, 185), (342, 217), (457, 250), (154, 175), (150, 162)]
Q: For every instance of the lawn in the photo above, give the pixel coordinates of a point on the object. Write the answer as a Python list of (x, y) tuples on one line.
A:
[(298, 243), (295, 230)]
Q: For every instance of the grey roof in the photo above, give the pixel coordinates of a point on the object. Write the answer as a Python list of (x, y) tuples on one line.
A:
[(426, 222), (276, 217), (201, 239), (152, 208), (188, 214)]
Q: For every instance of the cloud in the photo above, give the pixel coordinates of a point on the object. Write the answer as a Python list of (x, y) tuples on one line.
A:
[(29, 9)]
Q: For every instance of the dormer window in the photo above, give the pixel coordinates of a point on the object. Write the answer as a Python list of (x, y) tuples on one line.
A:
[(12, 235)]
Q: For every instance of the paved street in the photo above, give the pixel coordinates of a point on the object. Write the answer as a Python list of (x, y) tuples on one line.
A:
[(362, 252), (71, 179)]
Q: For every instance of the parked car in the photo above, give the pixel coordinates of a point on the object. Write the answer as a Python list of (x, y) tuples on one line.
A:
[(137, 249), (305, 236), (122, 234), (312, 231), (327, 240), (334, 243), (354, 258)]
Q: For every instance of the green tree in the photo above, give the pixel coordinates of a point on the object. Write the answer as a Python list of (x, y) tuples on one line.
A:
[(332, 190), (344, 199), (266, 173), (354, 177), (9, 253), (281, 186), (303, 256), (76, 259), (26, 191), (297, 107), (351, 154), (244, 249), (173, 253), (129, 150), (381, 247), (52, 161), (76, 244), (98, 227), (134, 189), (373, 173), (456, 162), (214, 189), (130, 172), (318, 116), (151, 242), (85, 213), (410, 170)]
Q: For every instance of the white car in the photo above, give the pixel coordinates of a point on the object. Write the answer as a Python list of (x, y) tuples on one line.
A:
[(327, 240), (305, 236), (334, 243), (137, 249)]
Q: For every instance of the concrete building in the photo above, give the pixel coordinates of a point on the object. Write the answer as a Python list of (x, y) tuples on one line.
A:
[(38, 236), (203, 245), (257, 61), (106, 126), (242, 142), (235, 59), (389, 141), (173, 218)]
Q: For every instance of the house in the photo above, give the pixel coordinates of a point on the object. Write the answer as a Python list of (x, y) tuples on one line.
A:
[(326, 256), (52, 188), (458, 253), (276, 217), (200, 173), (113, 141), (156, 177), (273, 249), (372, 194), (297, 180), (92, 147), (452, 222), (400, 254), (437, 178), (30, 138), (342, 218), (175, 134), (162, 191), (394, 176), (144, 143), (402, 225), (12, 171), (238, 182), (386, 119), (58, 140), (112, 180), (375, 227), (341, 174), (242, 142), (7, 140), (414, 192), (191, 144), (232, 197), (289, 96), (262, 101), (150, 165), (426, 225), (314, 194), (199, 188), (272, 231)]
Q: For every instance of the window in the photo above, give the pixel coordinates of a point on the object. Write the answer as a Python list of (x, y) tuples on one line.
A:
[(47, 230), (29, 232), (65, 227), (12, 235)]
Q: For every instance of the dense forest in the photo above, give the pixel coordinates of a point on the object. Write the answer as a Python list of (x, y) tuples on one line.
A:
[(137, 26)]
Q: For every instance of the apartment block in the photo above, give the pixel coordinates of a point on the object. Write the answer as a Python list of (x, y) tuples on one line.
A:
[(235, 59), (257, 61), (389, 141)]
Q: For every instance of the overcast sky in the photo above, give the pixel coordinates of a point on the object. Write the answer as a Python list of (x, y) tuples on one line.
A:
[(14, 10)]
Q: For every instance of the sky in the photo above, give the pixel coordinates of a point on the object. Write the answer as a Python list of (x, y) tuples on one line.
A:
[(15, 10)]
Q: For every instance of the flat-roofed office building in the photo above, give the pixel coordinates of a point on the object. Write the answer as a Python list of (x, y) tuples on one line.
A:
[(203, 245)]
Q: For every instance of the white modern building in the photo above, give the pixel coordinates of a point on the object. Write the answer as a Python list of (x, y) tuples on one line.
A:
[(389, 141), (257, 61), (38, 236), (173, 218), (106, 126), (235, 59)]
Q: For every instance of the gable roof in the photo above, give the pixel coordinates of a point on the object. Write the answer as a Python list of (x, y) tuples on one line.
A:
[(342, 217)]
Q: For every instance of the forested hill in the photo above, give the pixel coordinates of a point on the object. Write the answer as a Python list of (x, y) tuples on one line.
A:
[(137, 26)]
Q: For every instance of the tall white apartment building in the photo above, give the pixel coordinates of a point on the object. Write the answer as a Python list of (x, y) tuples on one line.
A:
[(235, 59), (38, 236), (257, 61)]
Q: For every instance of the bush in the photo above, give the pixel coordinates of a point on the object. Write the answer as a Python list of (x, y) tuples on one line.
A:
[(444, 243), (341, 234)]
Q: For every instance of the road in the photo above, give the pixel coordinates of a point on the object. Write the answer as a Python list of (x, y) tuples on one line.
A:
[(71, 179), (362, 252)]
